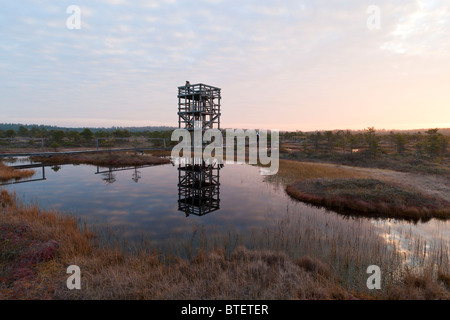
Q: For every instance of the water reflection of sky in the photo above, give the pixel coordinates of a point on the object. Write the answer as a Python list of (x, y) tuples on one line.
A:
[(150, 208), (434, 237), (150, 205)]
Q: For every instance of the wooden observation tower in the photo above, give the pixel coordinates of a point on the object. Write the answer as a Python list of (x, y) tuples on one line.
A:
[(198, 106), (198, 182)]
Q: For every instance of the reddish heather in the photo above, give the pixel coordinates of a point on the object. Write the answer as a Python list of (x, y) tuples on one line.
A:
[(22, 253)]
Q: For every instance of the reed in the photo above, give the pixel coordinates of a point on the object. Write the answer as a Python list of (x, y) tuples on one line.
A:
[(8, 173), (296, 257)]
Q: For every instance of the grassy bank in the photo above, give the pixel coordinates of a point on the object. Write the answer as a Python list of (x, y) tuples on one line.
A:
[(291, 171), (8, 173), (37, 247), (402, 163), (103, 159), (370, 197)]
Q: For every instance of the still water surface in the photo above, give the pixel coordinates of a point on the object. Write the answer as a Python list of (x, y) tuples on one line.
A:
[(144, 202)]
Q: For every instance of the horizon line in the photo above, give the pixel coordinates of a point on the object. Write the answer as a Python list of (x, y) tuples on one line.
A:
[(224, 128)]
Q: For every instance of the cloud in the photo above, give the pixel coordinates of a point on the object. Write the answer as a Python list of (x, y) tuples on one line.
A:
[(423, 31), (115, 2), (308, 61)]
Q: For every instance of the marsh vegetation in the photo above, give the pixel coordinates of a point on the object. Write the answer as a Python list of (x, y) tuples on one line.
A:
[(301, 253), (116, 159), (326, 265), (8, 173), (370, 197)]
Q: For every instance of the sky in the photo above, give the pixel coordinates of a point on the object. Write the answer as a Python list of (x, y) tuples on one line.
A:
[(288, 65)]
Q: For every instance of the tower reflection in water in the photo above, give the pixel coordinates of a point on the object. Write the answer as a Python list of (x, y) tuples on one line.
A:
[(198, 186)]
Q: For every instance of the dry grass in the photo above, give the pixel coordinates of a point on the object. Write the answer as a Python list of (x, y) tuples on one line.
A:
[(419, 288), (104, 159), (319, 272), (407, 162), (347, 190), (434, 185), (35, 228), (212, 275), (370, 197), (8, 173), (47, 225), (313, 265), (159, 153), (114, 274), (291, 171)]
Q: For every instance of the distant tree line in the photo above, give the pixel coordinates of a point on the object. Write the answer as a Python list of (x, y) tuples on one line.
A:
[(16, 126), (74, 137), (430, 143)]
